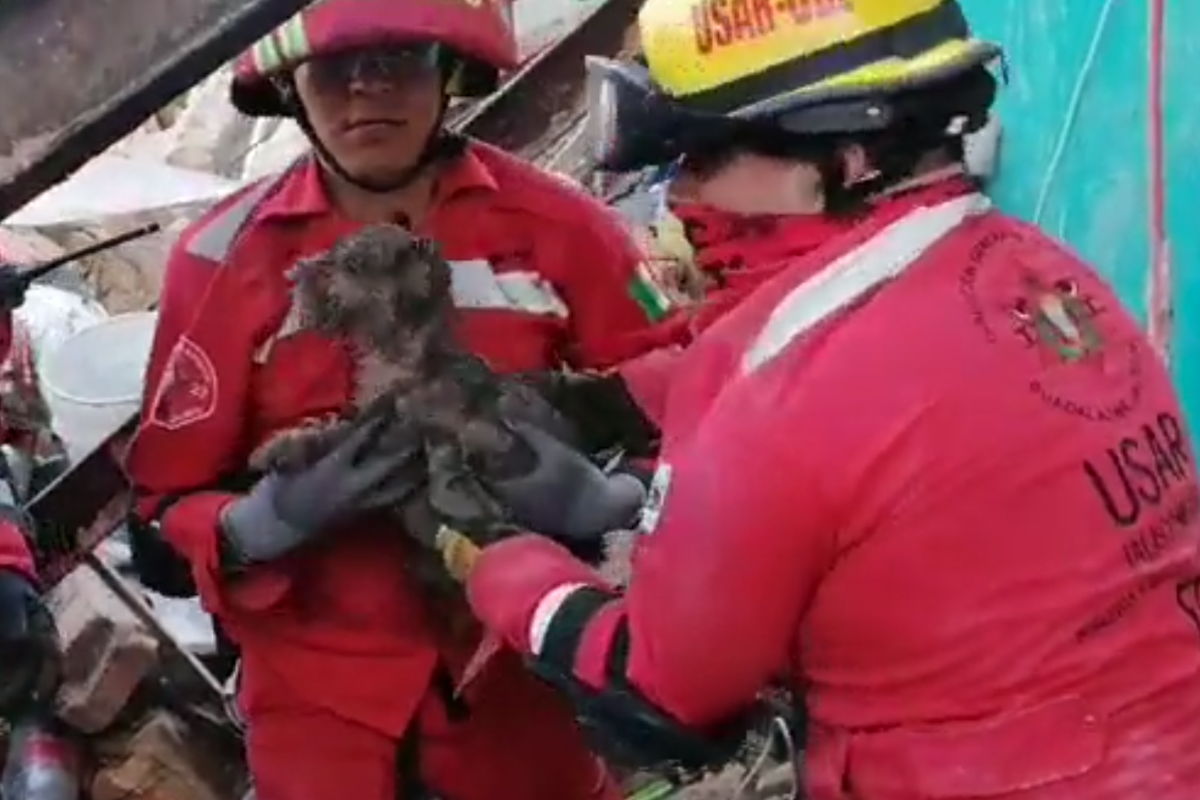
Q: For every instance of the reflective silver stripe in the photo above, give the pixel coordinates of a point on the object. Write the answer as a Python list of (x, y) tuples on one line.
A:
[(474, 284), (231, 698), (545, 611), (215, 239), (876, 261)]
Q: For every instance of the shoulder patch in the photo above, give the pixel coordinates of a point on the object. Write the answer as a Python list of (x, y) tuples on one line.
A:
[(187, 393), (1090, 358)]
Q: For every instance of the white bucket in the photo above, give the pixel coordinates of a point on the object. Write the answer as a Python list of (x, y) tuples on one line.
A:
[(51, 315), (93, 381)]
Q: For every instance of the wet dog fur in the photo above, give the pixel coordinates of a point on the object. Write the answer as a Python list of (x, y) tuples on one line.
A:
[(388, 296)]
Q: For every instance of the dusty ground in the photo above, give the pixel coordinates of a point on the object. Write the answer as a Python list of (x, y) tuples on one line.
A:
[(725, 785), (722, 786)]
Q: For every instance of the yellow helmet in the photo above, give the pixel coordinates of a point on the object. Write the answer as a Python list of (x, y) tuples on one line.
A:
[(807, 66)]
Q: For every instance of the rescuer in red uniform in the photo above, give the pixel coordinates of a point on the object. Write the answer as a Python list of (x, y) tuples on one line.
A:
[(729, 246), (24, 422), (347, 686), (710, 244), (932, 477), (28, 642)]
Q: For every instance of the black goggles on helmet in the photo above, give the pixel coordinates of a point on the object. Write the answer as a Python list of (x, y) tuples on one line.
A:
[(632, 124), (386, 64)]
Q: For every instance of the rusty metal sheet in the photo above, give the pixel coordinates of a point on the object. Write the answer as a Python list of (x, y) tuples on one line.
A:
[(78, 75), (536, 113)]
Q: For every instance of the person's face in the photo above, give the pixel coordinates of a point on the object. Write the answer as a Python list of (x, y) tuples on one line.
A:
[(752, 184), (375, 109)]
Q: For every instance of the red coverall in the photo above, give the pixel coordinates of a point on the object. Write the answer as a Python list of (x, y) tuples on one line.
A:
[(18, 375), (961, 511), (337, 655), (14, 553)]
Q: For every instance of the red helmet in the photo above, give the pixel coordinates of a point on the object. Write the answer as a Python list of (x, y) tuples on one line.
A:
[(479, 31)]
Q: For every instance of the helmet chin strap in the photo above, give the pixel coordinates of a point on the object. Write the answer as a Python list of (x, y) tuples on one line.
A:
[(440, 145)]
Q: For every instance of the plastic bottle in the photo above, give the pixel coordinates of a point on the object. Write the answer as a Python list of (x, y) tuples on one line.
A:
[(42, 764)]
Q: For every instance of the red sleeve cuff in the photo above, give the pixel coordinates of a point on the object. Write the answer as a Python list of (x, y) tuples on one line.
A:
[(24, 568), (191, 526), (511, 578), (14, 554)]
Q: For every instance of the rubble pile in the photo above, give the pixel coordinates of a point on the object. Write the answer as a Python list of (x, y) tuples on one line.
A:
[(107, 652), (731, 784), (136, 747), (126, 278), (161, 758)]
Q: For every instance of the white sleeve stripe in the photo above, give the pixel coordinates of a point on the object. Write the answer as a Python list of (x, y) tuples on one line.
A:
[(475, 284), (544, 613)]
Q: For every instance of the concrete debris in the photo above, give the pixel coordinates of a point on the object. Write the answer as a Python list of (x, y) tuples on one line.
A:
[(273, 145), (209, 135), (164, 758), (129, 277), (107, 652), (719, 786), (731, 784)]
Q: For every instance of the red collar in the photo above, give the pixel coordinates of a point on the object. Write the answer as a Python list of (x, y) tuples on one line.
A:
[(303, 193), (740, 253)]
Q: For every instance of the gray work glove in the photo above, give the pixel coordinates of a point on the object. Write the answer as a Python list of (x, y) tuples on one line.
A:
[(379, 465), (600, 408), (562, 494)]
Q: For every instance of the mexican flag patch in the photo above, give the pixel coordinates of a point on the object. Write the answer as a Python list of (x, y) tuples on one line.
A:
[(648, 290)]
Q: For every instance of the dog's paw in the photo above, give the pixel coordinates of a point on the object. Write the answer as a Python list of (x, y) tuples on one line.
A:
[(292, 450)]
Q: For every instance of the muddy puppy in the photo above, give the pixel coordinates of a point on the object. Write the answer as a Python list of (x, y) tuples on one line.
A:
[(388, 295)]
